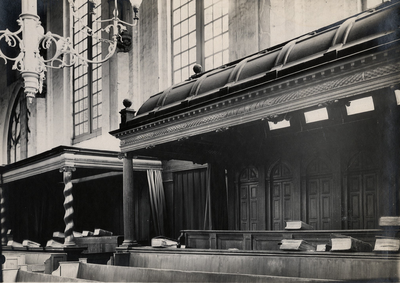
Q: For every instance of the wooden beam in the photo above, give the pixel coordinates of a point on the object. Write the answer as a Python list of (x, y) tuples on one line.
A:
[(96, 177)]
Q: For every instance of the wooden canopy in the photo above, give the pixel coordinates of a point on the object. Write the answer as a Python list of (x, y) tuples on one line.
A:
[(212, 114)]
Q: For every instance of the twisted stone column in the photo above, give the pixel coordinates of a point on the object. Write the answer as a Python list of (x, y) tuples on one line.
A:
[(68, 206)]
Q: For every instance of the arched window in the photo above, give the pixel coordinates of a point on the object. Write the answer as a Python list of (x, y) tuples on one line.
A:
[(17, 140)]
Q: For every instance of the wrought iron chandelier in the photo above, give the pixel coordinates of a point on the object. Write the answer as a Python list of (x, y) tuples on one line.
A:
[(31, 38)]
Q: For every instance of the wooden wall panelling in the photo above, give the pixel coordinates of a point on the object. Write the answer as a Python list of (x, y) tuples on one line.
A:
[(198, 241), (189, 200), (252, 198), (233, 215), (262, 225), (362, 192), (266, 242), (178, 204), (229, 241)]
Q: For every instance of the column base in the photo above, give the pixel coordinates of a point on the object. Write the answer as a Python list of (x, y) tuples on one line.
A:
[(128, 244)]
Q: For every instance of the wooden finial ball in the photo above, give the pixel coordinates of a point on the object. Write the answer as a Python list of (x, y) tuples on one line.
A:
[(197, 68), (127, 103)]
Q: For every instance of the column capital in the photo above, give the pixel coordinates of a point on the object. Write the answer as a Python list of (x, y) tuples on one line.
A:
[(67, 169), (127, 155)]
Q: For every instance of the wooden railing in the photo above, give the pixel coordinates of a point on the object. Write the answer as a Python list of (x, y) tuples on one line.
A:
[(267, 240)]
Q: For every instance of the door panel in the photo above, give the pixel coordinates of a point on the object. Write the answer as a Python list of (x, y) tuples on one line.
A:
[(370, 200), (282, 204), (249, 206), (362, 190), (281, 196), (244, 225), (319, 202)]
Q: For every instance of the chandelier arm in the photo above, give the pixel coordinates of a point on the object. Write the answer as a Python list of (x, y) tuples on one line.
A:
[(64, 47), (126, 23), (32, 41), (12, 39)]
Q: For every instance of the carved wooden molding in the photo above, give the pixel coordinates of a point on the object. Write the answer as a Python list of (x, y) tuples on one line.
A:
[(63, 160), (308, 89)]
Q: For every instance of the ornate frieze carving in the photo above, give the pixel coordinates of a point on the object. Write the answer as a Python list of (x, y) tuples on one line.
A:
[(333, 83)]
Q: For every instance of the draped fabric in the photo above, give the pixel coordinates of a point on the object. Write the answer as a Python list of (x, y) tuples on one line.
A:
[(157, 200), (208, 212)]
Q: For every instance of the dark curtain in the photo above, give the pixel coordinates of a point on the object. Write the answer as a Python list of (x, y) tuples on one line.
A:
[(194, 206), (34, 209)]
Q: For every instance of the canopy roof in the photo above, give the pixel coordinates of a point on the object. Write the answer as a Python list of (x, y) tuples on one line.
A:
[(89, 162), (346, 59), (347, 37)]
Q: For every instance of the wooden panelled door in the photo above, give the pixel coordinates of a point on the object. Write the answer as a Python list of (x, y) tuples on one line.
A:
[(319, 195), (281, 196), (248, 190), (362, 184)]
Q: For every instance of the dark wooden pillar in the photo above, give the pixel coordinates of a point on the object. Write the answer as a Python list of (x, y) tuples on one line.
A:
[(128, 202), (388, 121)]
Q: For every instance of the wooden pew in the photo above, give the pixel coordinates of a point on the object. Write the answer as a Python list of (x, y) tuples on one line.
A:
[(109, 273), (42, 262), (298, 264)]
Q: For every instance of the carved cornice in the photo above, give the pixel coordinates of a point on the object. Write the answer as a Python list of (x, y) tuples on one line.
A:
[(64, 160), (308, 89)]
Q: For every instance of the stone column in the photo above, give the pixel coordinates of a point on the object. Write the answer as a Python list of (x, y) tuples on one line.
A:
[(68, 206), (128, 202)]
